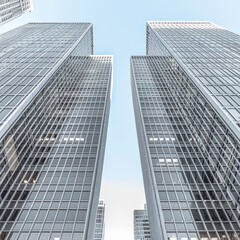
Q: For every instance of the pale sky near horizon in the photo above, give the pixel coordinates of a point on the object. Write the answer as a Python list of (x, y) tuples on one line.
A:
[(119, 30)]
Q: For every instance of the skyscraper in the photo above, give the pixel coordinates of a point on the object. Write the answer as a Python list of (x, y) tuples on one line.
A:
[(12, 9), (141, 224), (186, 96), (100, 221), (55, 99)]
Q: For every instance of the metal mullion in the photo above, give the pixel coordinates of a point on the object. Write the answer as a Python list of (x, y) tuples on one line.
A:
[(38, 57), (83, 185), (25, 143), (220, 201)]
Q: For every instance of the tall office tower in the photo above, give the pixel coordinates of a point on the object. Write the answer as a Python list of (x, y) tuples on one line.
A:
[(55, 99), (100, 221), (186, 96), (141, 224), (11, 9)]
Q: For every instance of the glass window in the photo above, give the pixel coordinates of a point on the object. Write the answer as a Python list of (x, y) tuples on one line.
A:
[(167, 215), (81, 215), (187, 215), (76, 195), (71, 215), (49, 196), (57, 196), (67, 195), (23, 215), (32, 215), (41, 215), (159, 178), (51, 215), (61, 215), (77, 236), (163, 195), (66, 236), (172, 196), (177, 215)]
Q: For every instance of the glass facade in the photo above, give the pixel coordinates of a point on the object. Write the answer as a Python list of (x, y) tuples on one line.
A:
[(210, 54), (11, 9), (100, 221), (29, 55), (141, 224), (190, 154), (52, 155)]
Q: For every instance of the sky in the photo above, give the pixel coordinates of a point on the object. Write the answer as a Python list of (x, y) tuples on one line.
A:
[(119, 30)]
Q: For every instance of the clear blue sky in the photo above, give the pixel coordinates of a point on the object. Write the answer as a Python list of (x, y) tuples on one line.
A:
[(119, 30)]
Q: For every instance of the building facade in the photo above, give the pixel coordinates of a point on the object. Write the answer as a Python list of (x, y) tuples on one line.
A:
[(100, 221), (186, 101), (55, 99), (12, 9), (141, 224)]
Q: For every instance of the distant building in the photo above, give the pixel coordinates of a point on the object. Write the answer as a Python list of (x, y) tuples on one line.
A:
[(141, 224), (11, 9), (100, 221)]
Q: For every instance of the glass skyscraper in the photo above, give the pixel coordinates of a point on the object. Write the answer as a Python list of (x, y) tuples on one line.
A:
[(54, 108), (186, 95), (141, 224), (10, 9)]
